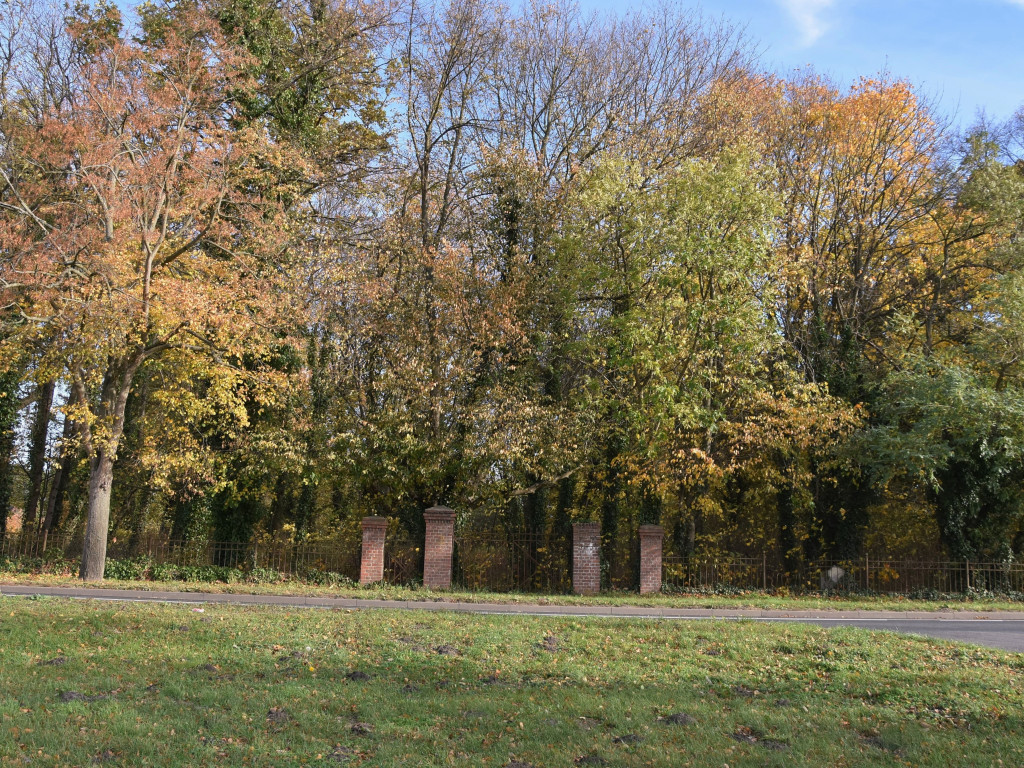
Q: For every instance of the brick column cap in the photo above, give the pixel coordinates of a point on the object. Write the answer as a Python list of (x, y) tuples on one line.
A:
[(587, 526), (373, 521), (652, 530), (439, 513)]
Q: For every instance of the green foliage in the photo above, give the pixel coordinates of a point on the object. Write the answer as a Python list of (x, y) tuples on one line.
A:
[(133, 569), (53, 564), (200, 573), (9, 379), (260, 575), (946, 425), (320, 578), (317, 82), (97, 25), (538, 267), (207, 573)]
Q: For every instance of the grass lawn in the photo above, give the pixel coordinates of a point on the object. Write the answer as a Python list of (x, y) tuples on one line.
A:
[(753, 599), (139, 684)]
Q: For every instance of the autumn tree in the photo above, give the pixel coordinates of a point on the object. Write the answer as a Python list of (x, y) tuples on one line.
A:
[(142, 222), (272, 266), (947, 426)]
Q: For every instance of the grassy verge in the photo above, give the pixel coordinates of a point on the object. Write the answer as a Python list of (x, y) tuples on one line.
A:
[(760, 600), (172, 686)]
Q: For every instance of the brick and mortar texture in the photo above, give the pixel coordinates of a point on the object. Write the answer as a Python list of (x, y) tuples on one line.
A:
[(371, 567), (586, 558), (437, 550), (650, 558)]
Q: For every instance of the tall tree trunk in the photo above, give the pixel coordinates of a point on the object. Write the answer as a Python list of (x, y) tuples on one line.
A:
[(139, 517), (37, 455), (610, 511), (58, 494), (535, 523), (61, 479), (8, 417), (114, 393), (130, 496), (562, 533), (101, 480)]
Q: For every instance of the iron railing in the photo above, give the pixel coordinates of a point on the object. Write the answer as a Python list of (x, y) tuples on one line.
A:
[(542, 562), (869, 573), (514, 561), (286, 557)]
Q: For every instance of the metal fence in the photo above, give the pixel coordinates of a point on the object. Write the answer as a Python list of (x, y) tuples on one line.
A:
[(867, 574), (542, 562), (32, 545), (517, 561), (403, 560), (286, 557)]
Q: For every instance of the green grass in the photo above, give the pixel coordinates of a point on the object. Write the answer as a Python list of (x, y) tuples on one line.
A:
[(169, 685), (751, 599)]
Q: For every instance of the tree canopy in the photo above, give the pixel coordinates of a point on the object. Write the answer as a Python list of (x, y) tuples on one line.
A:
[(268, 267)]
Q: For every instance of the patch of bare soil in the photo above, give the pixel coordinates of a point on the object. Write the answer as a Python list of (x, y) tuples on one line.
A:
[(341, 754), (67, 696), (747, 735), (876, 741), (278, 715), (678, 718)]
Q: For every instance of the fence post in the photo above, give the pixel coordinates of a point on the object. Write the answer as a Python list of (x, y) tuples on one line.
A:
[(371, 565), (764, 571), (438, 546), (586, 558), (967, 574), (867, 573), (651, 538)]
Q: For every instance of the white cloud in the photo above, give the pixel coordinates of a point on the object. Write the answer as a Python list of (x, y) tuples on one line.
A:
[(809, 17)]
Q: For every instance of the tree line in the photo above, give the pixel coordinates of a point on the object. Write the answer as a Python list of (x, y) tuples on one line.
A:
[(270, 266)]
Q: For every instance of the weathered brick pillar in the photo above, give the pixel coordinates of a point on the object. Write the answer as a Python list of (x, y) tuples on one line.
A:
[(437, 550), (651, 537), (586, 558), (371, 567)]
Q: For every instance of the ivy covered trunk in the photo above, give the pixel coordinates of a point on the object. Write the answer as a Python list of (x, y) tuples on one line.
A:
[(8, 415)]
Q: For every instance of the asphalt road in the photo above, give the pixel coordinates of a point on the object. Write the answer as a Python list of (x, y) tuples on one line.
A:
[(995, 629), (1006, 635)]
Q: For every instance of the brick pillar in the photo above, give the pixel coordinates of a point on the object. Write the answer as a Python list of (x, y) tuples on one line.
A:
[(437, 550), (371, 567), (650, 558), (586, 558)]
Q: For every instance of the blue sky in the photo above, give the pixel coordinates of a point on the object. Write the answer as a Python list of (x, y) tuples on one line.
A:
[(967, 53)]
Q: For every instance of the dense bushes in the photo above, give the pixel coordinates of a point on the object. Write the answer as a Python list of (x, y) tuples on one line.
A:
[(145, 569), (56, 565), (130, 569)]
